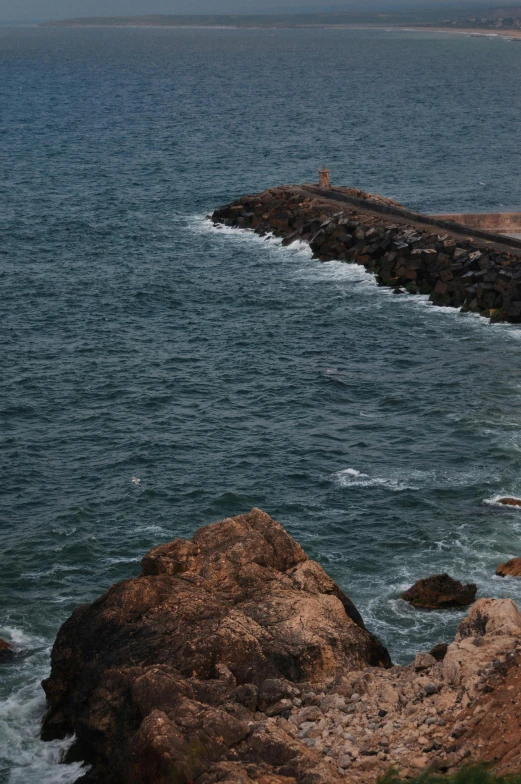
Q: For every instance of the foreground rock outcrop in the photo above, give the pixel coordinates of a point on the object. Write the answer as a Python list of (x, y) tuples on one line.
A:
[(455, 265), (175, 676), (439, 592), (233, 658)]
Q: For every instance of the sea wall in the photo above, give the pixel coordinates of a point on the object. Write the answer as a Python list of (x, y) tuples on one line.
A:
[(471, 269), (500, 222)]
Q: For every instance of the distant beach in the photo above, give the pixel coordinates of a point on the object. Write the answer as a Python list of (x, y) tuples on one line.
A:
[(136, 22), (478, 32)]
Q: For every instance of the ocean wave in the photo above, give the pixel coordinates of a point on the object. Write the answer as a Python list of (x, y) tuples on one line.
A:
[(351, 477), (21, 710), (204, 225), (353, 273), (20, 639)]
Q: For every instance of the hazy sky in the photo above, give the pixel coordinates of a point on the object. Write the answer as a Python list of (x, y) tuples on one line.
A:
[(62, 9)]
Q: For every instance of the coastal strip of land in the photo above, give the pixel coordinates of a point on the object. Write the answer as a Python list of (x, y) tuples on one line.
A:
[(458, 266), (403, 23), (477, 32)]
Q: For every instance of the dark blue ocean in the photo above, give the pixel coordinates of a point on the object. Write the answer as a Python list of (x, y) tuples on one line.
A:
[(221, 370)]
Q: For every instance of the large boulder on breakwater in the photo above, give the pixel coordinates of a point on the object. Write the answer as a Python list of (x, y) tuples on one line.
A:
[(439, 592), (166, 677)]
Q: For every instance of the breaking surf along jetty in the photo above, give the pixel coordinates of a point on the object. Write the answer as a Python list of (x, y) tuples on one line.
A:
[(456, 265)]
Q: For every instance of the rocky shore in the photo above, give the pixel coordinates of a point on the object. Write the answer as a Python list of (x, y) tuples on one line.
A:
[(234, 658), (457, 266)]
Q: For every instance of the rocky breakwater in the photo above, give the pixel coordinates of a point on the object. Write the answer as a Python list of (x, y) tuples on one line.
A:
[(474, 271), (191, 671), (233, 658)]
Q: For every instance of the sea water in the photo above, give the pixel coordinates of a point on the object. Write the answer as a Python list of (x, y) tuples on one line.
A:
[(219, 369)]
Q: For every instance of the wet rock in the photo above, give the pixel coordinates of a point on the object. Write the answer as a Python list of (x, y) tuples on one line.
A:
[(439, 592), (511, 568), (6, 651), (180, 657), (509, 501)]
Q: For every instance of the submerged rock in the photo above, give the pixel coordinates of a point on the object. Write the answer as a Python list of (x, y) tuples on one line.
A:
[(510, 568), (6, 650), (509, 501), (173, 676), (440, 592)]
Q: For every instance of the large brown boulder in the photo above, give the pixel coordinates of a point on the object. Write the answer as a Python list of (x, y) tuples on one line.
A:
[(510, 568), (439, 592), (170, 677)]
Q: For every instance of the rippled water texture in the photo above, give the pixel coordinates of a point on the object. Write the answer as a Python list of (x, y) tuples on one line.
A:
[(224, 371)]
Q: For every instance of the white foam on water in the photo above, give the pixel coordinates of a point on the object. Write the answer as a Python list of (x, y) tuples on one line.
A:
[(151, 529), (121, 560), (351, 477), (52, 571), (28, 759), (64, 532), (351, 472), (340, 271), (19, 639), (429, 478), (204, 225)]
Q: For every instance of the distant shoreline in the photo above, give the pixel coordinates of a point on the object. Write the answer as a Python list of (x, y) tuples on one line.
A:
[(469, 31), (475, 31)]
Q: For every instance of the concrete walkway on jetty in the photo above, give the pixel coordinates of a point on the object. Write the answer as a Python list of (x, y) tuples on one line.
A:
[(457, 265)]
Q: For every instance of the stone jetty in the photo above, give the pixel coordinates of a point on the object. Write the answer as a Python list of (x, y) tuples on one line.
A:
[(234, 659), (455, 265)]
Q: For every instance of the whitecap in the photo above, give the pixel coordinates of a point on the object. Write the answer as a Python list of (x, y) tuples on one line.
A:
[(121, 560), (350, 472), (351, 477), (20, 639)]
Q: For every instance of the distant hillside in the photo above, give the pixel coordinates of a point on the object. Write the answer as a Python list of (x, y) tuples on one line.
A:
[(496, 17), (236, 20)]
